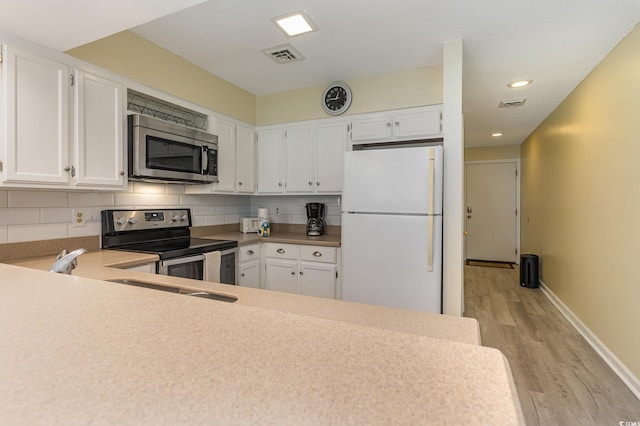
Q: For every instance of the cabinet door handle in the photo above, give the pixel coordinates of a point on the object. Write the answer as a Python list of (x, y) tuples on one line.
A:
[(388, 124), (317, 254), (279, 183), (293, 272), (310, 183), (249, 252), (67, 168), (280, 250), (122, 173), (242, 275), (301, 273), (397, 124), (318, 183), (240, 183)]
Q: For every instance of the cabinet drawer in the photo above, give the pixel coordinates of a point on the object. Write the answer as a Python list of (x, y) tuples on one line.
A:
[(318, 254), (281, 251), (249, 252)]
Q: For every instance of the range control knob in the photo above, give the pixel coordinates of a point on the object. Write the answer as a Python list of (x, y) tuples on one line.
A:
[(184, 218), (175, 218), (132, 220), (121, 221)]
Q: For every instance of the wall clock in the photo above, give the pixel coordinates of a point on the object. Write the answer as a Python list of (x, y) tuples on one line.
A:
[(336, 99)]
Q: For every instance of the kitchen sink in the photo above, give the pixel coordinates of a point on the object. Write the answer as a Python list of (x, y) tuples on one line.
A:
[(203, 294)]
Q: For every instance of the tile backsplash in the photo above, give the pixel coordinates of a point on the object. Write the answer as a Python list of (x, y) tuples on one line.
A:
[(29, 215)]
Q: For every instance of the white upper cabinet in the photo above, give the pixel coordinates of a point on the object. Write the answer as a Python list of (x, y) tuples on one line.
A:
[(331, 143), (412, 123), (312, 160), (226, 132), (246, 159), (299, 159), (270, 161), (99, 131), (35, 112), (38, 150)]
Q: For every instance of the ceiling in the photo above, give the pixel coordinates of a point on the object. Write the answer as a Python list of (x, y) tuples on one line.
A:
[(555, 43)]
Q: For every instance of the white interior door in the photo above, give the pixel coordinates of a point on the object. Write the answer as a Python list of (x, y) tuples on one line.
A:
[(491, 211)]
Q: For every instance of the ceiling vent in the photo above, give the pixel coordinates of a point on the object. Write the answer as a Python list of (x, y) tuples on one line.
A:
[(512, 104), (283, 54)]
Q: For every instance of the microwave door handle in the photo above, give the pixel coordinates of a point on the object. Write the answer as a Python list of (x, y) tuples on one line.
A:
[(205, 160)]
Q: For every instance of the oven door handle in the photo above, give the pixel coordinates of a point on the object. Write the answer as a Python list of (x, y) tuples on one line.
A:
[(180, 260)]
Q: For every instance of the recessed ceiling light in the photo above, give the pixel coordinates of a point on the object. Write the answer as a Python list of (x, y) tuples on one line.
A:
[(496, 134), (295, 23), (519, 83)]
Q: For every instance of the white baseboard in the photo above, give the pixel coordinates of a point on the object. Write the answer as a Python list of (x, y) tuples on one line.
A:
[(612, 361)]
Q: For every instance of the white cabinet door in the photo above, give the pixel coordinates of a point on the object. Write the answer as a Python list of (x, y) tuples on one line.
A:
[(35, 104), (270, 144), (250, 274), (317, 279), (299, 159), (226, 156), (418, 124), (331, 142), (246, 159), (281, 275), (372, 129), (99, 131)]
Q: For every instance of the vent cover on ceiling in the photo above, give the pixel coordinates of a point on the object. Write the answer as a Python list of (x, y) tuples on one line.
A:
[(512, 104), (284, 54)]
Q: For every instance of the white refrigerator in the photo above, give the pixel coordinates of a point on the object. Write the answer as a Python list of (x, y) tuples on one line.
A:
[(392, 227)]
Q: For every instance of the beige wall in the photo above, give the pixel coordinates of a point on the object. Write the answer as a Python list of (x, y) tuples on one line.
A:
[(134, 57), (506, 152), (422, 86), (581, 200)]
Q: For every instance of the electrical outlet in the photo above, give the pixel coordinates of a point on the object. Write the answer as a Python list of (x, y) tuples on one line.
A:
[(277, 211), (79, 218)]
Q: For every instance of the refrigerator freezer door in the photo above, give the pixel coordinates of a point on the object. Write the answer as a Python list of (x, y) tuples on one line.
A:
[(385, 261), (393, 180)]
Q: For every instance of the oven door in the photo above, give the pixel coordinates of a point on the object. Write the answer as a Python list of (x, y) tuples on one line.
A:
[(185, 267), (229, 266)]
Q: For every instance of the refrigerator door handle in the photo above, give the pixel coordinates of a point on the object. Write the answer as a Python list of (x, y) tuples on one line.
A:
[(430, 218)]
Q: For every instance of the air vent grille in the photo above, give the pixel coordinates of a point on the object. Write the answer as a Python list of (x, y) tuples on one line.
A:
[(512, 104), (283, 54)]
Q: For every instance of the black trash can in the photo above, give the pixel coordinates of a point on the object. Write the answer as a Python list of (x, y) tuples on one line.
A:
[(529, 271)]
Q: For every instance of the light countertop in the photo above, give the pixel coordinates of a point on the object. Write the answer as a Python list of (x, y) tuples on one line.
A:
[(77, 350), (279, 237)]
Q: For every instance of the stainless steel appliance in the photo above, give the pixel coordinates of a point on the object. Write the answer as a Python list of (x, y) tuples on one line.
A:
[(168, 152), (315, 219), (166, 232)]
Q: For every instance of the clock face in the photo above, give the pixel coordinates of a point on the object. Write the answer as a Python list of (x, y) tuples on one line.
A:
[(336, 99)]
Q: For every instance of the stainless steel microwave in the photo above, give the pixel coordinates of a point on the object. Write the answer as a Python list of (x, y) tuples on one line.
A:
[(160, 151)]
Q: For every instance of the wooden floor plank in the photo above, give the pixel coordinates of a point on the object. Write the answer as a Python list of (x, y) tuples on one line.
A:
[(560, 379)]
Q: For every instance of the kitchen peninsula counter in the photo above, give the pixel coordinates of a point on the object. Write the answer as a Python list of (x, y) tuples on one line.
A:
[(78, 350)]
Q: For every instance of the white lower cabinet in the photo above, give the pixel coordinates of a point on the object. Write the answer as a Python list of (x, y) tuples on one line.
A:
[(301, 269), (249, 266), (281, 275), (317, 279)]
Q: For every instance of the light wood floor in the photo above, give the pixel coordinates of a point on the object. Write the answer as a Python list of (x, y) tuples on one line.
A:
[(560, 379)]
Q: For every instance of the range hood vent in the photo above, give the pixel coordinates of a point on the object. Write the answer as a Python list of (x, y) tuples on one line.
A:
[(512, 104), (283, 54)]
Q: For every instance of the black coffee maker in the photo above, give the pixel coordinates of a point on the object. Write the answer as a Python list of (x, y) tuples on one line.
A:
[(315, 219)]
